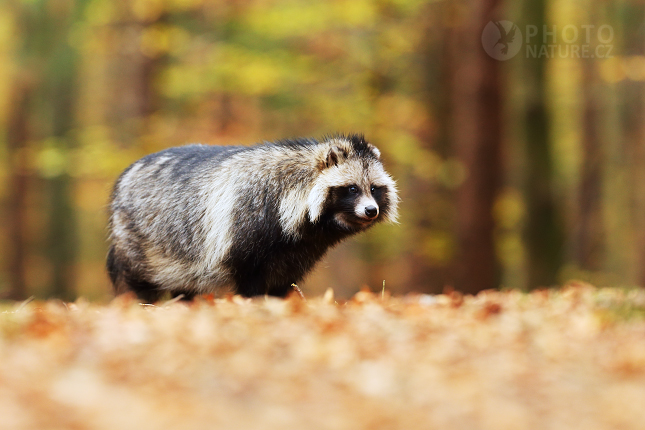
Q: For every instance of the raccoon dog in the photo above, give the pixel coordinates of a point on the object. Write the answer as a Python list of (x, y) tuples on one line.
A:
[(191, 219)]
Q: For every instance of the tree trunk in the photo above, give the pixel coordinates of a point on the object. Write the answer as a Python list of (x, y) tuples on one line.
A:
[(589, 240), (639, 185), (17, 137), (427, 274), (544, 230), (639, 163), (62, 240), (477, 118), (639, 189)]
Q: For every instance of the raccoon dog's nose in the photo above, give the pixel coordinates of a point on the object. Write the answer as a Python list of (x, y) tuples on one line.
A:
[(371, 211)]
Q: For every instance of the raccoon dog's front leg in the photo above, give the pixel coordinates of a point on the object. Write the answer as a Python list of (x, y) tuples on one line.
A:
[(255, 284), (280, 291), (249, 285)]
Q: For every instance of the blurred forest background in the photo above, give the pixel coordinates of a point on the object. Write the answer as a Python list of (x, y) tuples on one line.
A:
[(514, 174)]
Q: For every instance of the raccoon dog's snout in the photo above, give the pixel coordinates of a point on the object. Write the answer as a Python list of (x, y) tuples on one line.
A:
[(367, 208), (371, 212)]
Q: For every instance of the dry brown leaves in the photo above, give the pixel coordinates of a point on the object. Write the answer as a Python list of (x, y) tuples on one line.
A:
[(569, 359)]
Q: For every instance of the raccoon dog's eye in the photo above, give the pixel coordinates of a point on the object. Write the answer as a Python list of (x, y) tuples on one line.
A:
[(353, 189), (372, 188)]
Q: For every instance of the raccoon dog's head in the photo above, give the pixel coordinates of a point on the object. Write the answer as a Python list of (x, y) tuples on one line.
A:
[(353, 187)]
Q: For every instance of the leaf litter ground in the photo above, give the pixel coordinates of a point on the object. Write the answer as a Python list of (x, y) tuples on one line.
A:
[(552, 359)]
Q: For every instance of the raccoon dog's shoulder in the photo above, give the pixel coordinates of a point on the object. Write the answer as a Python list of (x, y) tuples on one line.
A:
[(194, 218)]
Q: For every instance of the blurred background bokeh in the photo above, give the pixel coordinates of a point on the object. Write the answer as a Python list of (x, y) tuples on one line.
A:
[(519, 173)]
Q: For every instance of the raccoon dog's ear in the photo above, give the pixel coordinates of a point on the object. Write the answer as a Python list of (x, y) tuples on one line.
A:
[(374, 150), (333, 157)]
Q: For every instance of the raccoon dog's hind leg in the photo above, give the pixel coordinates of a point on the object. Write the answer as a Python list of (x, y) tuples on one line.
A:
[(124, 279), (113, 268)]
